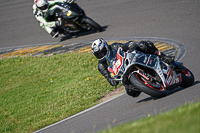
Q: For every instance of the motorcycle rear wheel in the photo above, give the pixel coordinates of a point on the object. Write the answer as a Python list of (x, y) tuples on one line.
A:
[(92, 24), (153, 89)]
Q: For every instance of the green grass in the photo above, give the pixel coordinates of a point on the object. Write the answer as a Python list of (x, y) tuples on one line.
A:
[(38, 91), (185, 119)]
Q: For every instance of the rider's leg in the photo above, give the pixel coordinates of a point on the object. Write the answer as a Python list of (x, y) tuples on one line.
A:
[(165, 58), (149, 47), (52, 31)]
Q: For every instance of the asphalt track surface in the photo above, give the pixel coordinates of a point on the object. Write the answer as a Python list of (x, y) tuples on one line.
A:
[(176, 20)]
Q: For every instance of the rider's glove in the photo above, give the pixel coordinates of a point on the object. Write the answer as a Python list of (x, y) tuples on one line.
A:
[(112, 82), (168, 59)]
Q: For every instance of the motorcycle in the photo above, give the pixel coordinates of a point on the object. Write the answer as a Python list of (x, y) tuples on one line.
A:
[(147, 73), (74, 20)]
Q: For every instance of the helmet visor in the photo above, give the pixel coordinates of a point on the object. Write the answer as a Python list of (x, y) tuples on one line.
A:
[(43, 7), (101, 53)]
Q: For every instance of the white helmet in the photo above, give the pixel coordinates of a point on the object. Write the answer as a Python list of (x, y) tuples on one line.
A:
[(100, 48), (42, 5)]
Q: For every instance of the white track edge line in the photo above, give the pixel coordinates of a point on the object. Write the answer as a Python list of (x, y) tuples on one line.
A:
[(82, 112)]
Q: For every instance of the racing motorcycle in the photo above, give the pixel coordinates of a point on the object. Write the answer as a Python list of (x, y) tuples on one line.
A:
[(147, 73), (74, 20)]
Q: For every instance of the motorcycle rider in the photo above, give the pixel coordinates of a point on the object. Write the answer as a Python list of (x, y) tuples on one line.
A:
[(100, 49), (44, 11)]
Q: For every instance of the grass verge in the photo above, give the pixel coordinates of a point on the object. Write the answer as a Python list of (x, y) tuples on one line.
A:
[(38, 91), (185, 119)]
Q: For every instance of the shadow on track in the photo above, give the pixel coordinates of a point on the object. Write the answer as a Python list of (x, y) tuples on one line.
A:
[(169, 93), (81, 34)]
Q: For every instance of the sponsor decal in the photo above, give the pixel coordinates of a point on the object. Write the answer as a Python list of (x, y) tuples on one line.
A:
[(69, 13), (150, 62), (117, 65), (169, 77), (178, 79), (145, 60)]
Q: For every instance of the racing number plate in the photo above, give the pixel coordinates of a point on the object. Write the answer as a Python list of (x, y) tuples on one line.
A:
[(117, 65)]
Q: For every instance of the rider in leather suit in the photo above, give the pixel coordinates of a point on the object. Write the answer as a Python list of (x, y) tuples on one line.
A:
[(44, 11), (100, 48)]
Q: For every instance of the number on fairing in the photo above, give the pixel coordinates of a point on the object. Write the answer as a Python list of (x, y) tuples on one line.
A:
[(116, 66)]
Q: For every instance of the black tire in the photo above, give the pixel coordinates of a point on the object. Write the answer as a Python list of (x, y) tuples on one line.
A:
[(146, 86), (95, 26), (187, 78)]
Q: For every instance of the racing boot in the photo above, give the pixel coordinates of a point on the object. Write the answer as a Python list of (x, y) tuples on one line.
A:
[(168, 59), (54, 34), (132, 92)]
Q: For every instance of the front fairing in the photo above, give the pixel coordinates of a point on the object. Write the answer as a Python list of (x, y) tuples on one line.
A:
[(111, 57), (115, 60), (54, 10), (158, 69), (75, 11)]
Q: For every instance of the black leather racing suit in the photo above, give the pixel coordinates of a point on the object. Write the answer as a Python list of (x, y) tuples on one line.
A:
[(143, 46)]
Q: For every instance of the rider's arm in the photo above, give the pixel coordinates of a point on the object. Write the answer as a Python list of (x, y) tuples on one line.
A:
[(45, 23), (126, 46), (148, 47), (129, 46), (143, 46), (103, 69), (39, 16), (115, 45)]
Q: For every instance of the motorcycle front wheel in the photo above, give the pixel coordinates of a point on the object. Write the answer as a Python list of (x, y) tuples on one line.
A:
[(92, 24), (187, 77), (154, 89)]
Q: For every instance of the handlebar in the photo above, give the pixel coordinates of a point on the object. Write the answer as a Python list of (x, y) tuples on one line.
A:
[(114, 79)]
